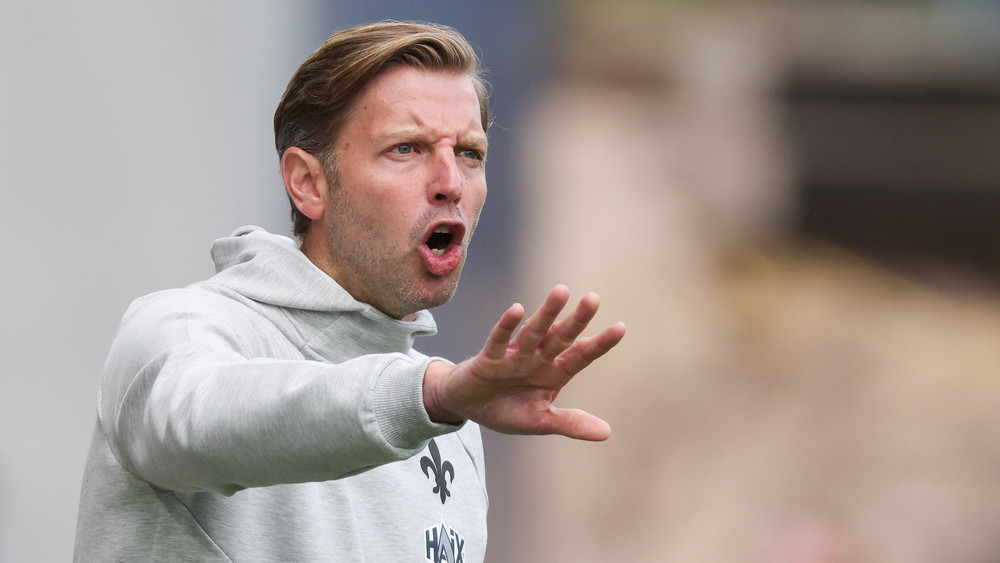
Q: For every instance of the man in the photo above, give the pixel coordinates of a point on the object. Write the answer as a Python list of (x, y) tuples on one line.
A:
[(278, 411)]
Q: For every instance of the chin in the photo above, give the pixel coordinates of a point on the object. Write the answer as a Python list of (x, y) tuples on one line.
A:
[(417, 298), (440, 299), (437, 295)]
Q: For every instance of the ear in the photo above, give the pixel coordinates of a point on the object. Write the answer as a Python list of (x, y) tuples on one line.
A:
[(305, 181)]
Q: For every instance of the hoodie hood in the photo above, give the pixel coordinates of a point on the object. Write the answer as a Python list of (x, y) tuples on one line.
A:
[(270, 270)]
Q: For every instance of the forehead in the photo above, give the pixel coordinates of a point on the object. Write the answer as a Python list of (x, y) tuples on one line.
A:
[(442, 101)]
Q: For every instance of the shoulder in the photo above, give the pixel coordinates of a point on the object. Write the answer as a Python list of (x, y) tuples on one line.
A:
[(191, 315), (195, 303)]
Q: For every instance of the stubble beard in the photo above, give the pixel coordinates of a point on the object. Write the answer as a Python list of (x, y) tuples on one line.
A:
[(379, 274)]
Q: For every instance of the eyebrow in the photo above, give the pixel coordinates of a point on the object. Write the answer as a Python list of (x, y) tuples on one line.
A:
[(474, 139)]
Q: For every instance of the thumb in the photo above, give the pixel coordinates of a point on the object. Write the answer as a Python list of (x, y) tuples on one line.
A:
[(578, 424)]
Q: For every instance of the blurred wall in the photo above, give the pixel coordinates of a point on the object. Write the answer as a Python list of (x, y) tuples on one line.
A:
[(135, 133), (778, 397)]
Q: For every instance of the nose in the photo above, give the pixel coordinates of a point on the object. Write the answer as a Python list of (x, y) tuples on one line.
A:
[(446, 182)]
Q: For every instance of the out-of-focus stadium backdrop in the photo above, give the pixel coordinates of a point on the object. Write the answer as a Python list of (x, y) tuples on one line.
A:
[(791, 204)]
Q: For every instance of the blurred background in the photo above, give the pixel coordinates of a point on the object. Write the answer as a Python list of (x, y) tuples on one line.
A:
[(791, 204)]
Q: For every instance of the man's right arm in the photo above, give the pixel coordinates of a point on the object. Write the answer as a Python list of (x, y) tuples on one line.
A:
[(191, 404)]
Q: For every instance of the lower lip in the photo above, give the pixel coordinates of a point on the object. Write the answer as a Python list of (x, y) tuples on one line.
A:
[(444, 264)]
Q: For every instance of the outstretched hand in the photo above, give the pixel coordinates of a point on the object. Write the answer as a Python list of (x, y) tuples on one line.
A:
[(510, 386)]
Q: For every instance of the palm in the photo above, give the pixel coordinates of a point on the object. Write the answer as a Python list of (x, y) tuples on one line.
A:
[(510, 386)]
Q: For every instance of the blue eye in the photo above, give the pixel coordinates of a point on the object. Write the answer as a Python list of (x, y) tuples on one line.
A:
[(471, 154), (403, 149)]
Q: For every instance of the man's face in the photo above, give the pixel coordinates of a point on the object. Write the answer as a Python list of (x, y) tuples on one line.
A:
[(409, 185)]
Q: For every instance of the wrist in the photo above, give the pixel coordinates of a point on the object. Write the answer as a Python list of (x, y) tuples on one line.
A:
[(435, 378)]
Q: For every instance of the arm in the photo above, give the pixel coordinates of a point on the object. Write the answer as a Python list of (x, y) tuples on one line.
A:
[(510, 386), (191, 404)]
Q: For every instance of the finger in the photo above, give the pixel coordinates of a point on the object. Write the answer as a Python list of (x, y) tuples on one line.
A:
[(499, 338), (585, 350), (537, 326), (565, 332), (577, 424)]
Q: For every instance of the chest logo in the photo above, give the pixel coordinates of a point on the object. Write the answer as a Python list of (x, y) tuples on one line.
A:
[(444, 473), (444, 545)]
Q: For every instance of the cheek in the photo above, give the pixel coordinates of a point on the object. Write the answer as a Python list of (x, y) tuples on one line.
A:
[(383, 206), (474, 197)]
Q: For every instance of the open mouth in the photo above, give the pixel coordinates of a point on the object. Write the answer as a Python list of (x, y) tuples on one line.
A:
[(443, 237), (440, 240), (442, 249)]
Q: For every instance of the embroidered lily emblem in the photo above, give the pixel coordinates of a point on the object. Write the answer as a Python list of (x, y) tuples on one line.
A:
[(440, 470)]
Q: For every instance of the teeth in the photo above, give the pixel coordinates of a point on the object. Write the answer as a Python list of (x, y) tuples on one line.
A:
[(444, 230)]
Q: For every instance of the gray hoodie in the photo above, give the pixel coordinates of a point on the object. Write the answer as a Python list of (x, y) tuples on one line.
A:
[(265, 415)]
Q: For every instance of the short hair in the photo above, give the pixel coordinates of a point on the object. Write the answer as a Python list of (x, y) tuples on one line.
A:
[(321, 94)]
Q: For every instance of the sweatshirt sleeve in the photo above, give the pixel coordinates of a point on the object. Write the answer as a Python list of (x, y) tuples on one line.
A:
[(188, 405)]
